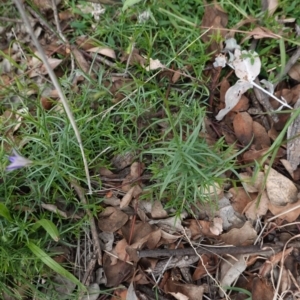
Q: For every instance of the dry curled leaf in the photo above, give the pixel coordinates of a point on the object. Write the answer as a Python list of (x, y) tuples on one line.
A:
[(243, 128)]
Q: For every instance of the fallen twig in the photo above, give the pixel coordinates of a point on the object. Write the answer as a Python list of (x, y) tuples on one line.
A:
[(248, 250)]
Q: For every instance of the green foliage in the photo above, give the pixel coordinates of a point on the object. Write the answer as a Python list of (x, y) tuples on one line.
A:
[(186, 169)]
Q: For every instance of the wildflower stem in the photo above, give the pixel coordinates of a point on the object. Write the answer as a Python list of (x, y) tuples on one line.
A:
[(58, 88)]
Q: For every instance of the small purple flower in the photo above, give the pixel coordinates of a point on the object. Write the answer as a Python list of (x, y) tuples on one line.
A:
[(17, 161)]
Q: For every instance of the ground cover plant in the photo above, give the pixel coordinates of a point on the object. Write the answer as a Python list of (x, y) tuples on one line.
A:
[(149, 150)]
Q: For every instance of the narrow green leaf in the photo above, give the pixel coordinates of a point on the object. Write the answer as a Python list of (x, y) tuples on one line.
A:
[(128, 3), (49, 227), (4, 212), (47, 260)]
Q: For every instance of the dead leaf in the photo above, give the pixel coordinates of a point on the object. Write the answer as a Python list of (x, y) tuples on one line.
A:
[(136, 233), (154, 64), (240, 198), (199, 228), (242, 105), (280, 189), (215, 17), (262, 32), (111, 219), (157, 210), (131, 295), (105, 51), (261, 139), (224, 87), (135, 58), (232, 97), (81, 61), (272, 262), (231, 269), (122, 160), (127, 198), (253, 155), (294, 72), (257, 208), (189, 291), (288, 167), (208, 262), (117, 273), (270, 6), (243, 127), (262, 286), (254, 183), (216, 228), (290, 216), (37, 66), (243, 236)]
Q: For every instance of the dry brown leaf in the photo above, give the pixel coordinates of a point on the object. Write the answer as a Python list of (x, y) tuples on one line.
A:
[(105, 51), (231, 269), (65, 15), (288, 167), (215, 17), (262, 286), (153, 239), (294, 72), (81, 61), (167, 238), (262, 32), (253, 155), (242, 105), (117, 273), (136, 233), (171, 225), (208, 262), (243, 236), (190, 291), (154, 64), (243, 128), (252, 184), (271, 263), (84, 42), (135, 58), (280, 189), (38, 68), (157, 210), (273, 134), (121, 161), (111, 219), (224, 86), (119, 250), (127, 198), (289, 216), (270, 6), (261, 139), (119, 294), (199, 228), (45, 4), (217, 226), (176, 76), (240, 199), (257, 207)]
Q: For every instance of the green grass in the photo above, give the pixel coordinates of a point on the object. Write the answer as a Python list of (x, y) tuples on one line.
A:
[(184, 168)]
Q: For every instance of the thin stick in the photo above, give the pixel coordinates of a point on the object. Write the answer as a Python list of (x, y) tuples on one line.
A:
[(58, 88)]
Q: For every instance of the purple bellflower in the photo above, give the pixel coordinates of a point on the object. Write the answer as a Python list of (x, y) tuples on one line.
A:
[(17, 162)]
